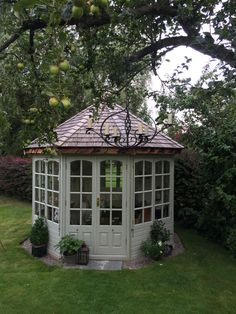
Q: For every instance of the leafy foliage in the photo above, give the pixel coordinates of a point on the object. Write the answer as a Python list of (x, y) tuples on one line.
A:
[(16, 177), (231, 241), (68, 245), (39, 232)]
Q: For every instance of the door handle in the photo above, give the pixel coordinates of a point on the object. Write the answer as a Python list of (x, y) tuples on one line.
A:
[(98, 201)]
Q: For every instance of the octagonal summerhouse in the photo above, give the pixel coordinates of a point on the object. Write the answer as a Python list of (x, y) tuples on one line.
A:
[(104, 195)]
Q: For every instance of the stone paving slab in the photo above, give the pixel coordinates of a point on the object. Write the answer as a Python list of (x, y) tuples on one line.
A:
[(98, 265)]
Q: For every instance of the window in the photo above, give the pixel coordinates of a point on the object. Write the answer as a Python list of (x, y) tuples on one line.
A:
[(46, 201), (143, 192), (81, 192), (152, 182)]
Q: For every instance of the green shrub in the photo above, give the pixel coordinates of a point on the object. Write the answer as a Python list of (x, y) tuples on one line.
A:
[(159, 232), (39, 232), (68, 245), (151, 249), (231, 242)]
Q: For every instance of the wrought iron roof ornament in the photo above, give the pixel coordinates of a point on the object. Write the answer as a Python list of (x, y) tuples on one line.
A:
[(131, 137)]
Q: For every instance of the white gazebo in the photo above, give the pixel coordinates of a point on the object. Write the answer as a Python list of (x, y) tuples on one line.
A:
[(106, 196)]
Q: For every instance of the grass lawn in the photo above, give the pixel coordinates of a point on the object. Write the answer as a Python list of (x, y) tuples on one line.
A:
[(202, 280)]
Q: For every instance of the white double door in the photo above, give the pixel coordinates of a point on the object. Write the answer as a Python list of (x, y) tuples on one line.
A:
[(96, 204)]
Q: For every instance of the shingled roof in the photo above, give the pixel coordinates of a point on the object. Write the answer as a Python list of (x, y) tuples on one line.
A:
[(72, 136)]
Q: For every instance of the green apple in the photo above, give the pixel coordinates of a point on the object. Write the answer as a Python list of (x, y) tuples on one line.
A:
[(64, 65), (54, 69), (66, 102), (72, 48), (94, 9), (101, 3), (20, 66), (33, 109), (53, 101), (77, 12), (80, 3)]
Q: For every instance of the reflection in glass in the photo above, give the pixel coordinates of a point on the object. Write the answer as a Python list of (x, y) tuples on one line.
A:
[(36, 208), (86, 217), (36, 194), (42, 184), (166, 181), (147, 214), (87, 184), (86, 168), (166, 166), (157, 212), (49, 182), (55, 184), (158, 197), (50, 167), (158, 182), (75, 200), (138, 184), (37, 166), (165, 211), (105, 200), (116, 200), (139, 168), (75, 217), (50, 210), (116, 217), (37, 180), (105, 168), (148, 199), (166, 195), (86, 200), (42, 168), (75, 184), (75, 168), (104, 217), (138, 200), (148, 183), (105, 184), (116, 168), (55, 199), (116, 184), (50, 198), (56, 168), (138, 216), (158, 169), (56, 215), (148, 167)]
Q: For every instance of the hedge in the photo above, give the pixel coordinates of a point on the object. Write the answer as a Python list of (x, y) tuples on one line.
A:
[(16, 177)]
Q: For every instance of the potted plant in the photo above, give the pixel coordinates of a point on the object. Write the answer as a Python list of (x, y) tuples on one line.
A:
[(39, 237), (69, 247)]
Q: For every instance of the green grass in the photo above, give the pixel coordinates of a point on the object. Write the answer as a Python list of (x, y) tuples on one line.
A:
[(202, 280)]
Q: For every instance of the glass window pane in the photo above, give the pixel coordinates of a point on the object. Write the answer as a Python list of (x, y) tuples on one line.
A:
[(49, 182), (56, 215), (42, 196), (147, 214), (42, 211), (50, 198), (37, 166), (36, 208), (75, 168), (158, 182), (139, 168), (105, 168), (55, 184), (116, 184), (55, 199), (138, 184), (116, 200), (138, 216), (158, 168), (166, 181), (138, 200), (42, 167), (166, 195), (86, 217), (116, 217), (148, 167), (56, 168), (75, 184), (166, 166), (75, 200), (75, 217), (50, 212), (36, 194), (158, 212), (105, 183), (86, 200), (87, 184), (86, 168), (158, 197), (42, 183), (147, 198), (116, 168), (165, 211), (104, 200), (37, 180), (148, 183), (105, 217), (50, 167)]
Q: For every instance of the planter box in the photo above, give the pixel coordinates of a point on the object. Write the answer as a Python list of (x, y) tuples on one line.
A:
[(39, 250), (70, 259)]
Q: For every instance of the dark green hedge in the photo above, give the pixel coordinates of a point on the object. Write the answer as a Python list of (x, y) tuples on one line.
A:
[(16, 177)]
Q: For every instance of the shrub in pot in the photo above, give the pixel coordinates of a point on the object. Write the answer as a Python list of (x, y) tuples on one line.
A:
[(69, 247), (39, 237)]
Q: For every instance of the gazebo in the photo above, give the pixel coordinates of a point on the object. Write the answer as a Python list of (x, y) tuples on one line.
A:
[(107, 196)]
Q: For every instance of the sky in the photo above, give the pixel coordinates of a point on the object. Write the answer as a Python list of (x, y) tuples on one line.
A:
[(176, 57)]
